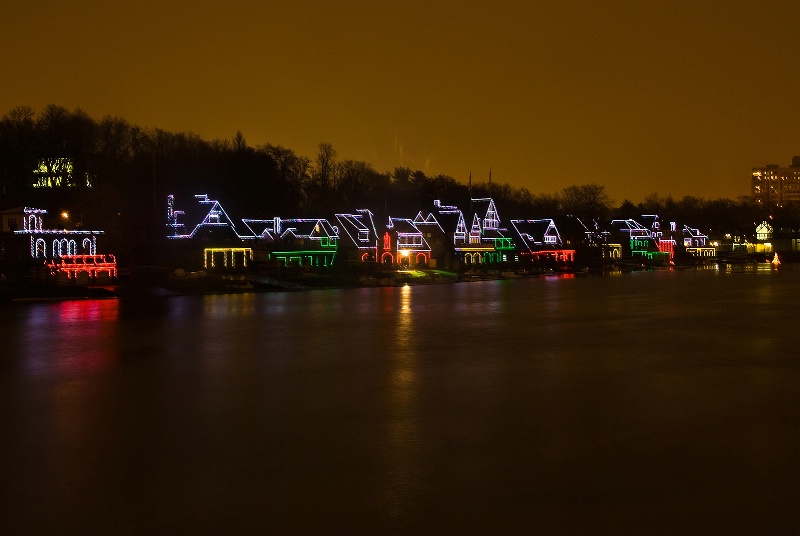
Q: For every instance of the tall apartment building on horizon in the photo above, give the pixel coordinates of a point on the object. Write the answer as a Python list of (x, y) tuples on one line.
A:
[(775, 186)]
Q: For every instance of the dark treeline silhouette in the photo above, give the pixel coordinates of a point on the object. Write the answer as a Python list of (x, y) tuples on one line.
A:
[(712, 216), (121, 174)]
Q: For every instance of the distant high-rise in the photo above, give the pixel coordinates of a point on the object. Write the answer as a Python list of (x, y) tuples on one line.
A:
[(775, 186)]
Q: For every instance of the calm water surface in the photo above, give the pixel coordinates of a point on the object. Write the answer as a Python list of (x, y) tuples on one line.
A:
[(661, 401)]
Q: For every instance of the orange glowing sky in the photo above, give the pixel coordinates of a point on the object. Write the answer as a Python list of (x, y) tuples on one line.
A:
[(667, 97)]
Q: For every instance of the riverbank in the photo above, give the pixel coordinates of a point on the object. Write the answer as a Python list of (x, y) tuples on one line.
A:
[(163, 283), (159, 283)]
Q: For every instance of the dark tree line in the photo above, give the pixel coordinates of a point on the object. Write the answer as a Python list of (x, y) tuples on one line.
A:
[(121, 174), (712, 216)]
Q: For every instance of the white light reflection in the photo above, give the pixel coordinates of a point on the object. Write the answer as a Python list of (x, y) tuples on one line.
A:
[(402, 441)]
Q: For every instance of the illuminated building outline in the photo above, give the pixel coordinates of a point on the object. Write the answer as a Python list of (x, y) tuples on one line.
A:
[(64, 256), (640, 239), (315, 239), (360, 230), (311, 241), (409, 247), (72, 265), (665, 242), (495, 246), (55, 173), (484, 242), (695, 243), (491, 220), (227, 253), (542, 240), (216, 217), (262, 229), (764, 231), (64, 242)]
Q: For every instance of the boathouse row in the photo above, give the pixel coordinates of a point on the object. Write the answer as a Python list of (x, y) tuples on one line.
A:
[(69, 254), (446, 237), (204, 236)]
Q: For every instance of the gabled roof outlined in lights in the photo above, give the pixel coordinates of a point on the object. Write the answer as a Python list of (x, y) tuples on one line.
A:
[(537, 234), (360, 230), (209, 212)]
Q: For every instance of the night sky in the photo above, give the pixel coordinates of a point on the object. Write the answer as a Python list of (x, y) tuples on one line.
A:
[(679, 98)]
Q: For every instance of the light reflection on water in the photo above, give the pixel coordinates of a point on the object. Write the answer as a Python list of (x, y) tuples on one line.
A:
[(657, 400), (402, 440), (71, 336)]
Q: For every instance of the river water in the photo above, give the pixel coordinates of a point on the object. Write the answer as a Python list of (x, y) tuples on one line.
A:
[(664, 401)]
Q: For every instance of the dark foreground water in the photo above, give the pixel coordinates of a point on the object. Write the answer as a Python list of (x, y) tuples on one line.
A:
[(642, 402)]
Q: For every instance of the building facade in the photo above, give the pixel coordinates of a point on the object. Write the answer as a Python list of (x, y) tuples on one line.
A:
[(775, 186)]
